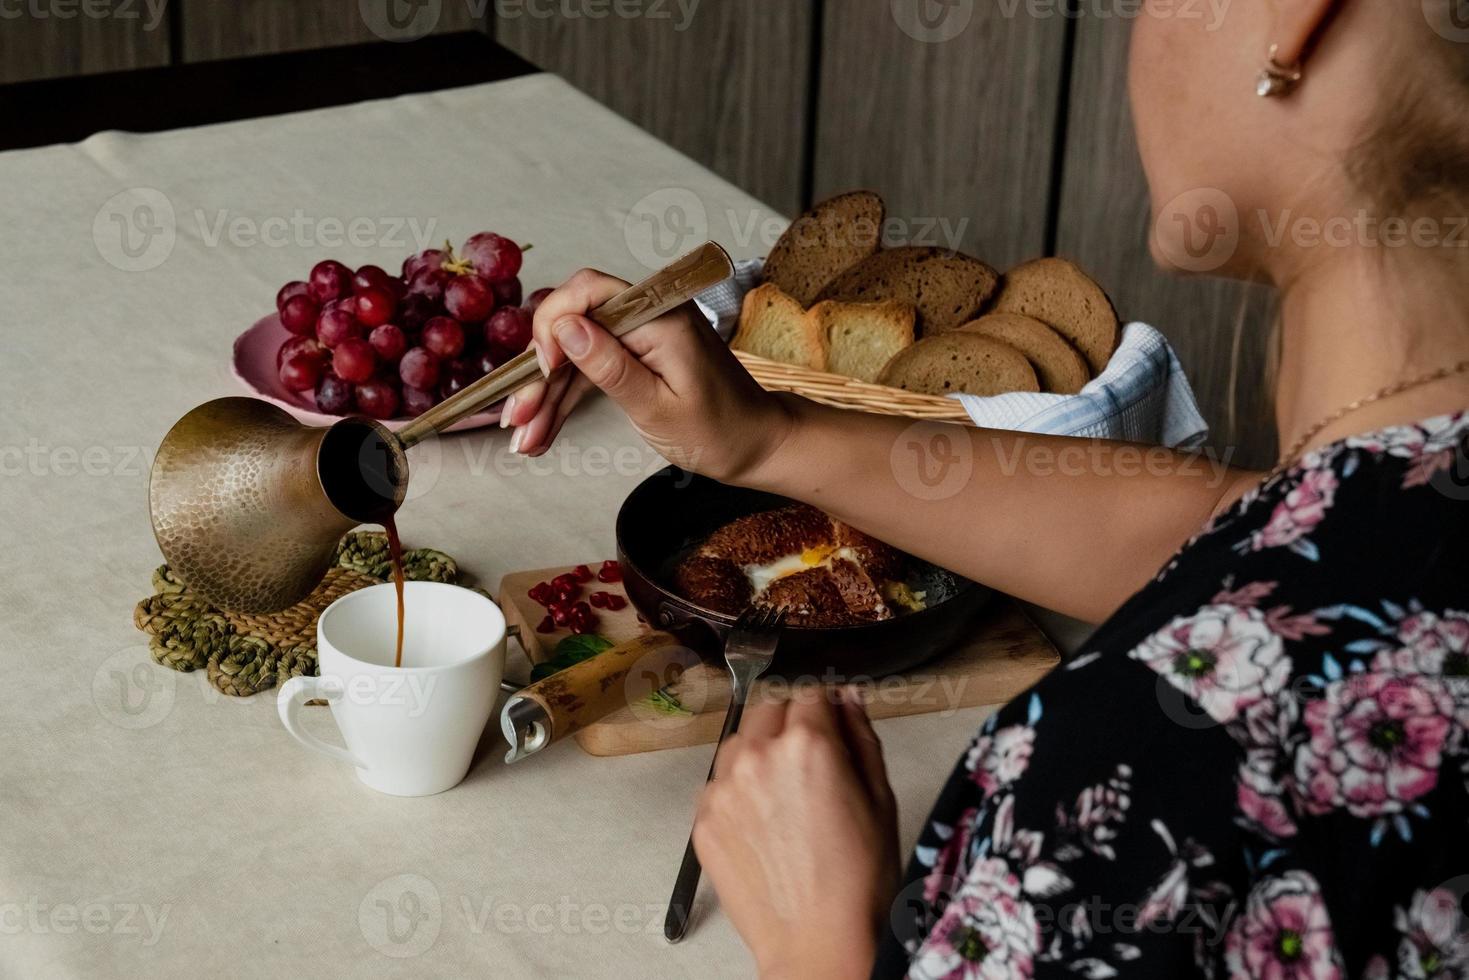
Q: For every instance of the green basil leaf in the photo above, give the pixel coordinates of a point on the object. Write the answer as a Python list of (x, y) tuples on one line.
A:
[(574, 649)]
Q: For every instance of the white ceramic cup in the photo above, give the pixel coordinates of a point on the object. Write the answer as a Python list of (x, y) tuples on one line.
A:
[(410, 730)]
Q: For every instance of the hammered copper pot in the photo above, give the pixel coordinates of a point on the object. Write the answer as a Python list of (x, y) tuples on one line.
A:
[(248, 504)]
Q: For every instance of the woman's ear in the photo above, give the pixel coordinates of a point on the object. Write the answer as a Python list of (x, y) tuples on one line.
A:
[(1298, 23)]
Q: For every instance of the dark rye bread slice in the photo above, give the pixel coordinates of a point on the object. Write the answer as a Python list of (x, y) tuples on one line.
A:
[(947, 288), (1057, 293), (825, 242), (1058, 366), (960, 362)]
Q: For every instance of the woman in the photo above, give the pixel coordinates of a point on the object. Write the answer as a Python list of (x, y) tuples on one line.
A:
[(1256, 766)]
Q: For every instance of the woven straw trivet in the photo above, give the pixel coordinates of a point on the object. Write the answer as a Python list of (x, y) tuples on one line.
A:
[(244, 653)]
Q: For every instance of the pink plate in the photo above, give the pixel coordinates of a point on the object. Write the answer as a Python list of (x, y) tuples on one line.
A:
[(254, 366)]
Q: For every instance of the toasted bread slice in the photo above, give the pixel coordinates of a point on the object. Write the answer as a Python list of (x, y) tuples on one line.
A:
[(947, 288), (1058, 366), (1057, 293), (774, 326), (862, 337), (960, 362), (825, 242)]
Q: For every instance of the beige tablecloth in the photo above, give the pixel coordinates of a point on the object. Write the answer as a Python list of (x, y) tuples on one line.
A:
[(151, 827)]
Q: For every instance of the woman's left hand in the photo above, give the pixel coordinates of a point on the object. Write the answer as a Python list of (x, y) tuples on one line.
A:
[(798, 832)]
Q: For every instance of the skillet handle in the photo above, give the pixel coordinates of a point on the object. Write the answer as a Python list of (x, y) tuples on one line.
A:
[(576, 697)]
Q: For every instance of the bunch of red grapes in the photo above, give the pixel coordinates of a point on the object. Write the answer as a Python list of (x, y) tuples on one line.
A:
[(394, 346)]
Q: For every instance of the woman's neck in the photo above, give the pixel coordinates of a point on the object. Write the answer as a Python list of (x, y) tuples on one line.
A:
[(1349, 331)]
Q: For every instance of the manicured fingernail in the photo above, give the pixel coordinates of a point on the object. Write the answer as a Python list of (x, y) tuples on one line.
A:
[(541, 360), (516, 438), (572, 336), (507, 410)]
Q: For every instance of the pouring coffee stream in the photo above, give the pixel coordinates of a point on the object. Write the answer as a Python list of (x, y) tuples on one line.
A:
[(248, 505)]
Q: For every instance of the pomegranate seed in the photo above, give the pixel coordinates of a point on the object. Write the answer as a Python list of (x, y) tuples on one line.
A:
[(582, 573), (565, 594), (540, 592), (615, 602), (611, 572), (546, 626), (578, 627), (599, 599), (564, 580)]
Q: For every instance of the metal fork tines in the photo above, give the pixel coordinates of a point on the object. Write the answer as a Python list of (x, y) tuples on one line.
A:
[(748, 650)]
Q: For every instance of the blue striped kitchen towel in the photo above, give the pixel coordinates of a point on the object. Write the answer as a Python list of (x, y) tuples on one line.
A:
[(1142, 396)]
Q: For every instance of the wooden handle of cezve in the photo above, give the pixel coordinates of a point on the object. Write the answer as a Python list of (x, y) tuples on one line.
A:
[(673, 285), (587, 692)]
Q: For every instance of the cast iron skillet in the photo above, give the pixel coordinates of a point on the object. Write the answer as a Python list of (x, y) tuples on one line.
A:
[(672, 511), (662, 519)]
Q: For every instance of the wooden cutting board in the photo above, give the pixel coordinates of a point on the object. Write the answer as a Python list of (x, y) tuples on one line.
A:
[(1006, 655)]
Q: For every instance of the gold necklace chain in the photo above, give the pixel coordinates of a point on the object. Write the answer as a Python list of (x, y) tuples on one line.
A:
[(1395, 389)]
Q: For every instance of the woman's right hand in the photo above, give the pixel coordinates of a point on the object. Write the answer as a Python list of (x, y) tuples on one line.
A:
[(684, 391)]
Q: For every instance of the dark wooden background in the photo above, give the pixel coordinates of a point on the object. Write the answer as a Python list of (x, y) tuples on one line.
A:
[(1000, 126)]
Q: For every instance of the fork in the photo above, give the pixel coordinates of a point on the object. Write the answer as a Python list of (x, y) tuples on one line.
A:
[(748, 651)]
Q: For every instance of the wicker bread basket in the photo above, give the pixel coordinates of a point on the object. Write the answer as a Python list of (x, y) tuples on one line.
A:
[(843, 392)]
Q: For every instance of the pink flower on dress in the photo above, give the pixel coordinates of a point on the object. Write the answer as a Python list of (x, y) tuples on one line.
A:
[(1264, 773), (999, 759), (1435, 943), (1224, 657), (1260, 796), (1297, 515), (950, 862), (988, 932), (1376, 742), (1434, 645), (1414, 441), (1283, 933)]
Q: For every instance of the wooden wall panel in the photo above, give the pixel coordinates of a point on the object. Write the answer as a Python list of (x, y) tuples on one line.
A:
[(729, 88), (238, 28), (1104, 224), (953, 121), (132, 34)]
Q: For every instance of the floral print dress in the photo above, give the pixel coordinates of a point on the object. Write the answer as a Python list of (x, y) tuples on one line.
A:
[(1256, 768)]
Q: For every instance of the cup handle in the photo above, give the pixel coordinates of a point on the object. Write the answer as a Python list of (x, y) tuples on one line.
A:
[(296, 692)]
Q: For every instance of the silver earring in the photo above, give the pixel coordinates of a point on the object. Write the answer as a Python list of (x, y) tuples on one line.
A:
[(1277, 80)]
